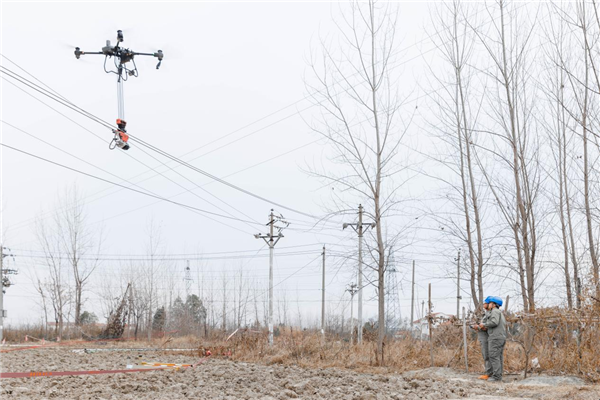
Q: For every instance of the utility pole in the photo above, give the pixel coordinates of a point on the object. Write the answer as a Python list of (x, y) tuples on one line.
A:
[(458, 296), (412, 300), (323, 297), (358, 227), (271, 241), (464, 321), (429, 322), (422, 316), (188, 280), (393, 311), (2, 311), (352, 288), (4, 283)]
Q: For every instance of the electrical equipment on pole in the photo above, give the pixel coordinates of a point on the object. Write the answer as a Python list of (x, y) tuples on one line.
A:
[(271, 239), (121, 56), (358, 227), (4, 283)]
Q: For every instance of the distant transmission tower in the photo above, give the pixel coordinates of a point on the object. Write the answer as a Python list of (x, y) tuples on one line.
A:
[(188, 279), (393, 314)]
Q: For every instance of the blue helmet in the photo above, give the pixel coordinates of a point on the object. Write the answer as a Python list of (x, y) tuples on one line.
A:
[(493, 299)]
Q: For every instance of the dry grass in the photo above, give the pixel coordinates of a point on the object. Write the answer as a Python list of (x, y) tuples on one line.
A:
[(550, 336)]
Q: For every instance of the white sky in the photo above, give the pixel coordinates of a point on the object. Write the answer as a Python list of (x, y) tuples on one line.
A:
[(229, 70)]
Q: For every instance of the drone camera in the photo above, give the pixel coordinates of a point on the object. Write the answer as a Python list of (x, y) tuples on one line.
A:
[(119, 36)]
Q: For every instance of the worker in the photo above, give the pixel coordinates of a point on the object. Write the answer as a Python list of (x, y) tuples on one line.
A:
[(482, 335), (496, 329)]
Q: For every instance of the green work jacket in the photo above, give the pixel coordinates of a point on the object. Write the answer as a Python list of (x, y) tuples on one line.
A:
[(496, 325)]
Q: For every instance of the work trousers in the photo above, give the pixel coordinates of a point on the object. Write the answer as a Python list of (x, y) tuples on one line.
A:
[(496, 355), (483, 340)]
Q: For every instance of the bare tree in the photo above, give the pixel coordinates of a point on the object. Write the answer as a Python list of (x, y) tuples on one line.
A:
[(154, 249), (77, 241), (356, 93), (56, 285), (40, 288), (455, 41), (583, 81), (559, 130), (512, 105), (590, 68)]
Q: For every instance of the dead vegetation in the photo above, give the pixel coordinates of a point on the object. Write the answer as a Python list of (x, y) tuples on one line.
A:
[(553, 341)]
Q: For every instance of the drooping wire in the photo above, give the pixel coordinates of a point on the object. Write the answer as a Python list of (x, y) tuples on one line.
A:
[(132, 183), (145, 165), (122, 186), (154, 148)]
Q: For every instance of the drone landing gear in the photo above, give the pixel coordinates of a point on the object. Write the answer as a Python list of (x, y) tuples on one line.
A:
[(121, 138)]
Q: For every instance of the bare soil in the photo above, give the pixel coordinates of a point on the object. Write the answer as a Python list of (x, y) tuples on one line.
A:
[(220, 378)]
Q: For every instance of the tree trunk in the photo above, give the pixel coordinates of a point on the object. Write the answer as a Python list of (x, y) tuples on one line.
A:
[(476, 278), (586, 170), (521, 219), (562, 189)]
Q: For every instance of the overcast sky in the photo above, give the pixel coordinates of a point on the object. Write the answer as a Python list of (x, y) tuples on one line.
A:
[(230, 96)]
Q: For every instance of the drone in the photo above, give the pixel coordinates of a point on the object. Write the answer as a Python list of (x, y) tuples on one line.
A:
[(121, 57)]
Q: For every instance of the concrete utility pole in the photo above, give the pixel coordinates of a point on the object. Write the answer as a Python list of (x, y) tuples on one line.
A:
[(430, 327), (323, 297), (458, 296), (352, 289), (358, 227), (271, 241), (4, 283), (188, 280), (412, 300)]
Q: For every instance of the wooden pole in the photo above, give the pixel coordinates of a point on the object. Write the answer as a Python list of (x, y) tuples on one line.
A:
[(429, 318), (323, 297), (464, 318), (458, 297)]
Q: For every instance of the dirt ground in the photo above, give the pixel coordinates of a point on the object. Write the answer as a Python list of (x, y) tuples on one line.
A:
[(229, 380)]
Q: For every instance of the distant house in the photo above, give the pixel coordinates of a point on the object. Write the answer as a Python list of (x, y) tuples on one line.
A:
[(421, 326)]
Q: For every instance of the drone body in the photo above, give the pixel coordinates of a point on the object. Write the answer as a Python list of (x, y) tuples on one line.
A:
[(121, 57)]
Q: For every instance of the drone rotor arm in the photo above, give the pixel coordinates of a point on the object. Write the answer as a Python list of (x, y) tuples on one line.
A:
[(159, 54), (78, 52)]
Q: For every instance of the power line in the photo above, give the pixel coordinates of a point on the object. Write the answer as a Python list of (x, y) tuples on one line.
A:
[(159, 258), (181, 254), (125, 187), (145, 165), (96, 119), (150, 146)]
